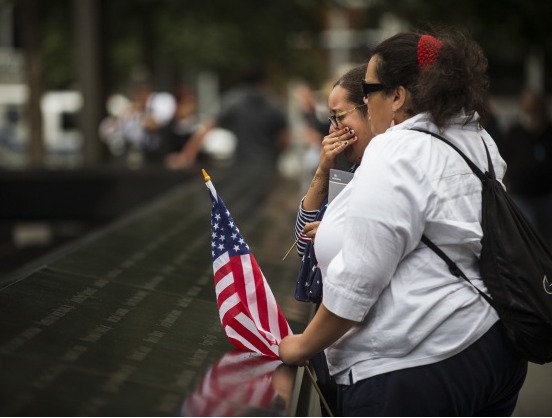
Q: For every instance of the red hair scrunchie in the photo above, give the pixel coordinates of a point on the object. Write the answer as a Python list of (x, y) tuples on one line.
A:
[(428, 50)]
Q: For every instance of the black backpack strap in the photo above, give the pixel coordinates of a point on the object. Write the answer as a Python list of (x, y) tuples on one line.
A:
[(453, 267), (491, 172)]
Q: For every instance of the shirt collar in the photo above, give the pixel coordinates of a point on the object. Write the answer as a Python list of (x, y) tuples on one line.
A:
[(423, 120)]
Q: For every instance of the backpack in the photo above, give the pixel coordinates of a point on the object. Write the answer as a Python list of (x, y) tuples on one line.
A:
[(515, 265)]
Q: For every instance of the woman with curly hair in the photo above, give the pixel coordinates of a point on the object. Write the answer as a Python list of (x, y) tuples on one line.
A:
[(402, 335)]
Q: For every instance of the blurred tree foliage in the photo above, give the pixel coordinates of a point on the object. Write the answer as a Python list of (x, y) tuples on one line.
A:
[(174, 39), (507, 30)]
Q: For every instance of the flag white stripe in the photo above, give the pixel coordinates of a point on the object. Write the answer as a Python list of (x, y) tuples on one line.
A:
[(250, 288), (228, 304), (272, 312), (221, 261)]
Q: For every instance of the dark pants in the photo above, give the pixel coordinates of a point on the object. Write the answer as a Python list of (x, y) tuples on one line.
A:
[(326, 384), (483, 380)]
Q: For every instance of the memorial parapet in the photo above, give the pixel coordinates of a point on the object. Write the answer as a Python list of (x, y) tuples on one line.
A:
[(125, 322)]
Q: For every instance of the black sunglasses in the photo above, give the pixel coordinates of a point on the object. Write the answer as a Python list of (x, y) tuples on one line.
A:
[(368, 88)]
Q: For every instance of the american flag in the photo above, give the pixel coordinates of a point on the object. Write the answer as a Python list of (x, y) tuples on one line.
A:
[(250, 315)]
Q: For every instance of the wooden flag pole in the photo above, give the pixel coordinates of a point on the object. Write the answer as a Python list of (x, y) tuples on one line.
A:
[(322, 398), (291, 248)]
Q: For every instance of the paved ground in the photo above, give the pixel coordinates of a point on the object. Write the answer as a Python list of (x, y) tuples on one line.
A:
[(535, 399)]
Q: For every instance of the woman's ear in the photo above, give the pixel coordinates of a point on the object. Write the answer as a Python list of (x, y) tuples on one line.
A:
[(399, 99)]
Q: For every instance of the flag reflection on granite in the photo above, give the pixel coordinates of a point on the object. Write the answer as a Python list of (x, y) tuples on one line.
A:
[(239, 382)]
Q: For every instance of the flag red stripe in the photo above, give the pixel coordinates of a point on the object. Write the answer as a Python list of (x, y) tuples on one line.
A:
[(239, 280), (282, 322), (260, 294)]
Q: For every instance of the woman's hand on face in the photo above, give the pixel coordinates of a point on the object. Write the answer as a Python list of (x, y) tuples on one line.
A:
[(309, 230), (290, 351), (333, 145)]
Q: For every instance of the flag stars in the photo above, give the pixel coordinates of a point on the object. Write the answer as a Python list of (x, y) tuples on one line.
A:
[(225, 234)]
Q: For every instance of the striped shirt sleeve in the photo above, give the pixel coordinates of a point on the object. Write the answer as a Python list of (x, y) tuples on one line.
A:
[(303, 218)]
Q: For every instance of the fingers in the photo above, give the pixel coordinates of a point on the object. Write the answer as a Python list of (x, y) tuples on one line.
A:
[(332, 145), (338, 140), (309, 230)]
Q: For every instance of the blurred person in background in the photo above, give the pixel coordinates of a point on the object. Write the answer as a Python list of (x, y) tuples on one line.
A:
[(136, 127), (254, 116), (185, 121), (493, 125), (314, 126), (528, 152)]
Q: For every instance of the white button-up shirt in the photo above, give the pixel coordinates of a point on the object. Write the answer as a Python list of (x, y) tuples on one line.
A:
[(411, 310)]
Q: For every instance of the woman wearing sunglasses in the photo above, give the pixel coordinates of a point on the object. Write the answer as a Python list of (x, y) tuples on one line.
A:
[(404, 336)]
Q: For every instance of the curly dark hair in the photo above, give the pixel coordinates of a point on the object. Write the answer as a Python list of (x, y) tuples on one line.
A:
[(456, 81), (351, 81)]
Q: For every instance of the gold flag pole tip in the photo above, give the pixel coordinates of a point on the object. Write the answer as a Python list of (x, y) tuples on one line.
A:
[(205, 175)]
